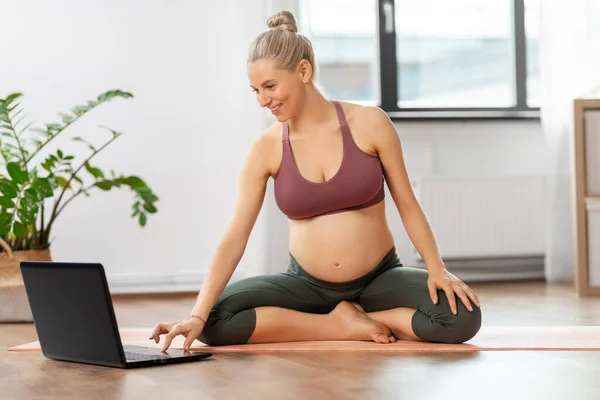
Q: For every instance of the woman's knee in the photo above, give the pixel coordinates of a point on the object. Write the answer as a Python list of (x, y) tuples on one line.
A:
[(226, 328), (441, 326), (466, 324)]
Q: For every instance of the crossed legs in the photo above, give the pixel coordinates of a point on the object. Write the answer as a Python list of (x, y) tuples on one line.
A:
[(282, 307)]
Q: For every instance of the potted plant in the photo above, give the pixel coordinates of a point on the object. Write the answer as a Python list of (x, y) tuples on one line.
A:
[(35, 189)]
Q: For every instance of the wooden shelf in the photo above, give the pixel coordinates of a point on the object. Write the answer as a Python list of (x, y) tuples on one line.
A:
[(582, 268), (588, 104)]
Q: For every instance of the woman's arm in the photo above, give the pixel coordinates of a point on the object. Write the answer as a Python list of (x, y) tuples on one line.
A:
[(388, 147), (251, 192)]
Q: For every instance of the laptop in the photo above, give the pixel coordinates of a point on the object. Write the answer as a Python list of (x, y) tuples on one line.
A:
[(75, 321)]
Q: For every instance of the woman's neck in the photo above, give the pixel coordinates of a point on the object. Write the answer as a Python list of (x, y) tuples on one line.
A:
[(315, 111)]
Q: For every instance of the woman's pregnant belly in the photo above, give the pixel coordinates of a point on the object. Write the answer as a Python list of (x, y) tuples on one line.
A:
[(344, 246)]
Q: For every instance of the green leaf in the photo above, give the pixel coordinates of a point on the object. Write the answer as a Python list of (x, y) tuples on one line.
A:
[(111, 94), (79, 110), (4, 228), (44, 187), (135, 182), (60, 153), (16, 173), (66, 118), (39, 189), (49, 163), (104, 185), (31, 193), (26, 216), (33, 173), (148, 196), (6, 202), (8, 188), (28, 210), (19, 229), (36, 142), (97, 173), (5, 218), (52, 181), (11, 98), (38, 130), (28, 204), (142, 219), (150, 208), (67, 158), (53, 127), (62, 182)]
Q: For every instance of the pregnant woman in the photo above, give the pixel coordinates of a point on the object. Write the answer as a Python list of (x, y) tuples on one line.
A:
[(329, 161)]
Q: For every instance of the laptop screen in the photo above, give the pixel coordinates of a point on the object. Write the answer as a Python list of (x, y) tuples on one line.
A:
[(72, 311)]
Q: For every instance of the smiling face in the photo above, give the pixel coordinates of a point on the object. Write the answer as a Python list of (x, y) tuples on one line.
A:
[(278, 89)]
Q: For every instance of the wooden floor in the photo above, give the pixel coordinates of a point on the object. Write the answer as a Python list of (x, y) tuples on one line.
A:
[(484, 375)]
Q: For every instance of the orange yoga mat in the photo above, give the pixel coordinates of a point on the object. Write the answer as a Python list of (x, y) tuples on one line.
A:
[(552, 338)]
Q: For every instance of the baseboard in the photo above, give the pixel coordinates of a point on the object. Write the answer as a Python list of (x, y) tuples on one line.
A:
[(159, 283), (496, 269)]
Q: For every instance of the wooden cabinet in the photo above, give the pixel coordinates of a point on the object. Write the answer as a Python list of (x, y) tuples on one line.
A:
[(587, 195)]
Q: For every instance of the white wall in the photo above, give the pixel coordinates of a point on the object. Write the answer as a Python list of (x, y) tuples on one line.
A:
[(186, 132), (188, 129), (471, 148)]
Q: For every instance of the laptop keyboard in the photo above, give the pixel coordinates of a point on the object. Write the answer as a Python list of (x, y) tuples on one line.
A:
[(130, 356)]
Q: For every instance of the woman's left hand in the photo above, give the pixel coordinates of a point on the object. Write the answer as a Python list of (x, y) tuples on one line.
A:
[(440, 278)]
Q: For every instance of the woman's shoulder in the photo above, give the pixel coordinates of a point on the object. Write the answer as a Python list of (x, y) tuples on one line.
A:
[(274, 131), (360, 115), (270, 136), (267, 146), (270, 139)]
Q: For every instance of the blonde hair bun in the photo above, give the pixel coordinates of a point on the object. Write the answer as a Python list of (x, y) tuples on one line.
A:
[(283, 20), (283, 44)]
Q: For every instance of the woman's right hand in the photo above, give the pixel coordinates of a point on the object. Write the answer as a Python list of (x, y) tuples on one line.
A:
[(190, 328)]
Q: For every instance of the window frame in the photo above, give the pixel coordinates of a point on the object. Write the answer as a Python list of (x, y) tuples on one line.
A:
[(388, 79)]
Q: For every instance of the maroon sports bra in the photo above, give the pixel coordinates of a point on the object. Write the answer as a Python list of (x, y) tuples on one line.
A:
[(357, 184)]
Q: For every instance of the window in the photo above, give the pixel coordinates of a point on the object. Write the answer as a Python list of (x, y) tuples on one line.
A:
[(344, 37), (428, 58), (532, 35)]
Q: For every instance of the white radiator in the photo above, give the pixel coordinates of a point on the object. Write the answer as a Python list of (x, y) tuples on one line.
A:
[(484, 217)]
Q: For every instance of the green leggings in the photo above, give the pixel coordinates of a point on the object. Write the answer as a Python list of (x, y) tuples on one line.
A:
[(233, 318)]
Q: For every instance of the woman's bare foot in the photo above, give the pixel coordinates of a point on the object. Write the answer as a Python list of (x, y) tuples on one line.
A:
[(397, 335), (358, 326)]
